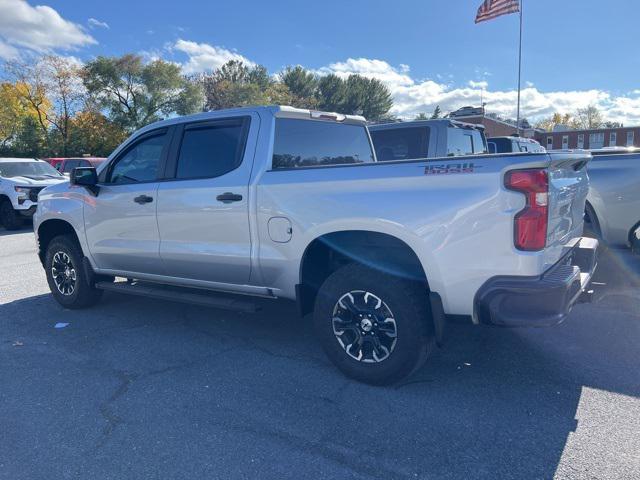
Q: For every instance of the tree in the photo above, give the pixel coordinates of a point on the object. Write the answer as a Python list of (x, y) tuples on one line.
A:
[(421, 116), (93, 133), (236, 85), (356, 95), (332, 92), (13, 112), (367, 96), (30, 140), (549, 123), (303, 86), (52, 88), (437, 113), (589, 117), (137, 93)]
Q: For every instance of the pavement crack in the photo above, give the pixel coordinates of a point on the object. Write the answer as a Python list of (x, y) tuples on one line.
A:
[(106, 408)]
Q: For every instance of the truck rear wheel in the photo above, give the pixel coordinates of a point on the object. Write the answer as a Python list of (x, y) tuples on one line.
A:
[(66, 276), (376, 328), (9, 217)]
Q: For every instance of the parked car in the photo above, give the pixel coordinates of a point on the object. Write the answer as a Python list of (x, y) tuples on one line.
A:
[(514, 144), (426, 139), (65, 165), (280, 202), (21, 179), (613, 203)]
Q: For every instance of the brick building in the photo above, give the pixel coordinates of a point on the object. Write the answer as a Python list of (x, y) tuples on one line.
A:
[(492, 126), (560, 138), (594, 138)]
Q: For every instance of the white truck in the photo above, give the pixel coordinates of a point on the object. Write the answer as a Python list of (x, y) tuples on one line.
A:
[(21, 179), (280, 202)]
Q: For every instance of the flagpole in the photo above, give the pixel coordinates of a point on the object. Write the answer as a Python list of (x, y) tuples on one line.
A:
[(519, 69)]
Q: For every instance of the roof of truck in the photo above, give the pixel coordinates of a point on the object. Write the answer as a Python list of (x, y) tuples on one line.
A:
[(444, 122), (516, 138), (282, 111)]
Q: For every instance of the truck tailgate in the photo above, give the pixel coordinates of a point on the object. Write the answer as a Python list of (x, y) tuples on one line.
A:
[(568, 189)]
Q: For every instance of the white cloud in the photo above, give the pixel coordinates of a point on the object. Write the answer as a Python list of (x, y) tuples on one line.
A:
[(95, 23), (203, 57), (7, 52), (39, 28), (379, 69), (481, 84), (412, 96)]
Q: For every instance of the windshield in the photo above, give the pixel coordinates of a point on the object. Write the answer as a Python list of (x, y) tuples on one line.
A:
[(35, 169)]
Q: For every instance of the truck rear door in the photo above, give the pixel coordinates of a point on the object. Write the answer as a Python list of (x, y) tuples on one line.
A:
[(203, 206)]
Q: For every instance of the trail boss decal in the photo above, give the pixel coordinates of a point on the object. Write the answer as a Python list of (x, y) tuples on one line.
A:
[(447, 168)]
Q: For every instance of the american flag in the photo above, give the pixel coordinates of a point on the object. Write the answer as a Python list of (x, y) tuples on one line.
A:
[(491, 9)]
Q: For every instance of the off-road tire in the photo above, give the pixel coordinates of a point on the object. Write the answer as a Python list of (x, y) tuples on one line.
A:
[(84, 294), (408, 302), (9, 217)]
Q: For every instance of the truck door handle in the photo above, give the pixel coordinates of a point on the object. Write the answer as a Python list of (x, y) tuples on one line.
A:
[(143, 199), (228, 197)]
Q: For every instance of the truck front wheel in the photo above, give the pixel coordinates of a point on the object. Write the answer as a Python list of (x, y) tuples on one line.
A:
[(66, 276), (376, 328), (9, 217)]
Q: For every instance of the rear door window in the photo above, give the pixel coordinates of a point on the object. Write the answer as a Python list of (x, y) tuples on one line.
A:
[(308, 143), (401, 143), (464, 141), (212, 149)]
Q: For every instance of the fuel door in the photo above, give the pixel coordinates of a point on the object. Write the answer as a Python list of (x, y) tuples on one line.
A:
[(280, 229)]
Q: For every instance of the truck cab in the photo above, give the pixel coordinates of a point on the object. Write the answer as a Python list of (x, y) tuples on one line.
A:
[(427, 139), (514, 144)]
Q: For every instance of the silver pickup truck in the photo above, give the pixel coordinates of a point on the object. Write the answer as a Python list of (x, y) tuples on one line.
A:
[(613, 203), (279, 202)]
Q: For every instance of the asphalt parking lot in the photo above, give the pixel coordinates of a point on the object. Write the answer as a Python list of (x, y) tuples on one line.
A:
[(135, 388)]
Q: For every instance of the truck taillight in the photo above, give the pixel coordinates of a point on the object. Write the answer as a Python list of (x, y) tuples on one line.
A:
[(530, 223)]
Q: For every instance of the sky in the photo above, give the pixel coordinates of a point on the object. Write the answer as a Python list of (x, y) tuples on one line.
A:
[(428, 52)]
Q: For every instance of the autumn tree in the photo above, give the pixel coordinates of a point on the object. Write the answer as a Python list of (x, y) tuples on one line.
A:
[(548, 123), (94, 134), (589, 117), (52, 90), (13, 113)]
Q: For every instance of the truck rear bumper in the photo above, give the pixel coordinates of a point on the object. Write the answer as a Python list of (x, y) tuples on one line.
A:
[(544, 300)]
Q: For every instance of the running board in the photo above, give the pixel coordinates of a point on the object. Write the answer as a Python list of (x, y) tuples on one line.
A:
[(202, 297)]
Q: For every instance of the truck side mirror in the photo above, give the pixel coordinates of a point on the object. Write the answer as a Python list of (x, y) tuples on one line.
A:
[(86, 177)]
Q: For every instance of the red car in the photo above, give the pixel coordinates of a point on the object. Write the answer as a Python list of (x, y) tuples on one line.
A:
[(65, 165)]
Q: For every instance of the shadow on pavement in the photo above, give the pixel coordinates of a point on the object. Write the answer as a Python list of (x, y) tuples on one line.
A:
[(139, 388), (27, 227)]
